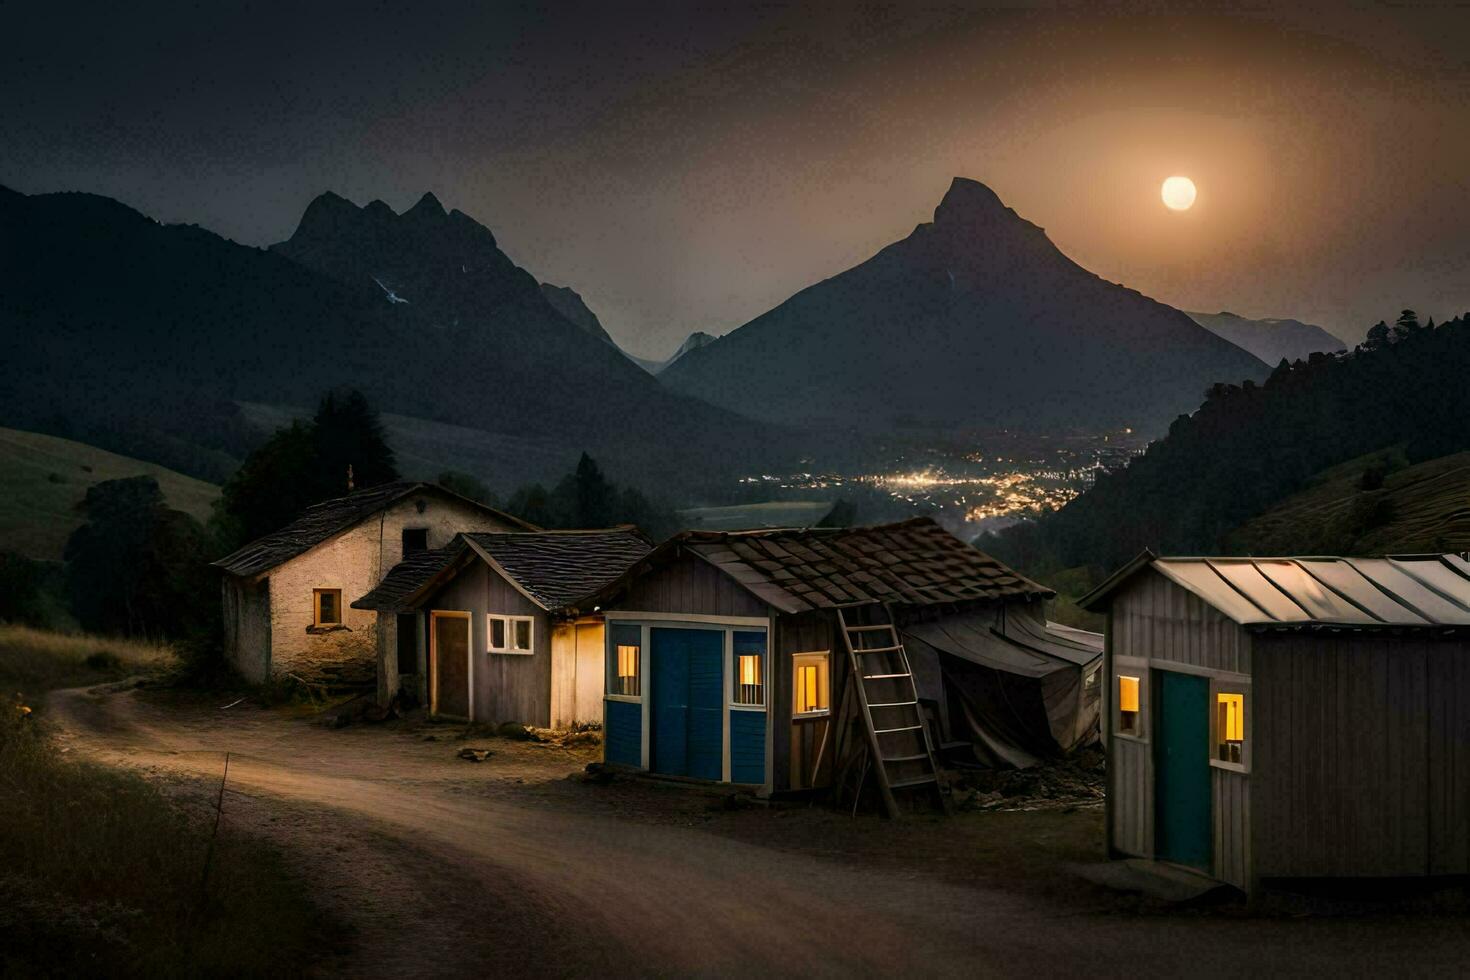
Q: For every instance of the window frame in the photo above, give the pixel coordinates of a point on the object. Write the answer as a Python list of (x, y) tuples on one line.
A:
[(1219, 686), (762, 661), (826, 656), (510, 649), (1135, 668), (316, 607), (610, 675)]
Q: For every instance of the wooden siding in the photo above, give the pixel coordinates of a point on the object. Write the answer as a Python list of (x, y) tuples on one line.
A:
[(793, 752), (1231, 838), (623, 734), (509, 687), (1131, 796), (1361, 745), (692, 586), (748, 747), (1154, 618)]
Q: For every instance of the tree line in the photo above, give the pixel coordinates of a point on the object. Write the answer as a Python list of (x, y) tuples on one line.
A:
[(1249, 445)]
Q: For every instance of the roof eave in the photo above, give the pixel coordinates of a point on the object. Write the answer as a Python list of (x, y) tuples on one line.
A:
[(1094, 601)]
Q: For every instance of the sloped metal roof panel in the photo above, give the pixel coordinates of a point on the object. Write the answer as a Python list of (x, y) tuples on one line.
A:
[(1261, 591), (1202, 579), (1346, 580), (1410, 591), (1320, 603)]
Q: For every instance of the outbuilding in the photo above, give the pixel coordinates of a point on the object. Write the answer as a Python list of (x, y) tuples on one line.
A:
[(491, 629), (1289, 718), (284, 594), (729, 653)]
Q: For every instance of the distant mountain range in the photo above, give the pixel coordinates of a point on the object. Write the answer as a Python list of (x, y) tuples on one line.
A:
[(1271, 339), (144, 338), (975, 319), (694, 341), (570, 304)]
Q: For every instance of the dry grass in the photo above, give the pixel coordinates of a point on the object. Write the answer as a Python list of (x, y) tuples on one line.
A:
[(33, 661), (101, 874)]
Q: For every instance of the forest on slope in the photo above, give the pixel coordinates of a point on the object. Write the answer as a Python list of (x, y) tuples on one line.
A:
[(1250, 446)]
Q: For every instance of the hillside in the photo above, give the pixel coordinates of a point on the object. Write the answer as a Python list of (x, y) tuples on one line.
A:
[(1270, 339), (975, 319), (134, 334), (1250, 448), (1372, 505), (44, 478)]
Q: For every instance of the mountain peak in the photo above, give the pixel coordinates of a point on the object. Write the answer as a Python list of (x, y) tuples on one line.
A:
[(428, 205), (970, 202)]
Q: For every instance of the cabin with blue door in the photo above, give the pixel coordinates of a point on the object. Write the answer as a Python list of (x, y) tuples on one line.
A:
[(1277, 719), (724, 658)]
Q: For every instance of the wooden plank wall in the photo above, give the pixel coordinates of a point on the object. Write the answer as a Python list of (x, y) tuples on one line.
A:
[(1131, 796), (1361, 746), (690, 585), (1153, 617), (1232, 843), (793, 751)]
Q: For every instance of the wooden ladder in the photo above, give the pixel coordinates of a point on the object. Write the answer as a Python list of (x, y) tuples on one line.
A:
[(888, 699)]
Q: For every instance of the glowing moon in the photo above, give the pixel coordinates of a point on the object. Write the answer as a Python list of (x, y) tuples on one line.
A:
[(1178, 193)]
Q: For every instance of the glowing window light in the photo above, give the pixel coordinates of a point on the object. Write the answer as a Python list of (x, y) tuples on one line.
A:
[(627, 679), (1128, 722), (748, 679), (1230, 727), (810, 684)]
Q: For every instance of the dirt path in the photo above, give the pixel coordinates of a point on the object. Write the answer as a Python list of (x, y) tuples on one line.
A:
[(444, 866)]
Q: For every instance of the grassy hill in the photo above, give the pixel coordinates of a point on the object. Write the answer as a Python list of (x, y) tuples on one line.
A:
[(43, 478), (1395, 508)]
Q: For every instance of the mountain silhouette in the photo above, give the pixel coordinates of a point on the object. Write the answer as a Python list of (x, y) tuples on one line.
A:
[(975, 319)]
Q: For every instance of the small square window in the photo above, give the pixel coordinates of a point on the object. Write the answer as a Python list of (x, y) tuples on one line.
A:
[(326, 607), (520, 635), (810, 684), (1129, 722), (497, 633), (415, 539), (1230, 727)]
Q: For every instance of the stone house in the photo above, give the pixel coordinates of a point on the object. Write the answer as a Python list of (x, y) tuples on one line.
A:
[(286, 595)]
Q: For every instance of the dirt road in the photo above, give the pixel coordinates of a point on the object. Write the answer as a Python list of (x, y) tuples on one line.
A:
[(510, 868)]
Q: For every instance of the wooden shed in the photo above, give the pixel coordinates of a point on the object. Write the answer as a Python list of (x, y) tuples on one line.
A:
[(495, 632), (731, 655), (1289, 718)]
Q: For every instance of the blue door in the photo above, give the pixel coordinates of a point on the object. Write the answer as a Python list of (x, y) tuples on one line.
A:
[(1182, 769), (688, 673)]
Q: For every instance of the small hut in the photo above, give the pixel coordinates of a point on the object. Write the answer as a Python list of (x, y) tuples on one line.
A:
[(1289, 718), (731, 655), (491, 631)]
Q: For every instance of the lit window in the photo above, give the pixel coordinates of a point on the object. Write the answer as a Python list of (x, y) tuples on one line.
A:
[(625, 682), (1128, 721), (509, 634), (326, 607), (810, 684), (1230, 727), (749, 680)]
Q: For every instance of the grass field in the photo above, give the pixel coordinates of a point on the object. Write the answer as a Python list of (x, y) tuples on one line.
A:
[(101, 873), (43, 478), (1420, 508)]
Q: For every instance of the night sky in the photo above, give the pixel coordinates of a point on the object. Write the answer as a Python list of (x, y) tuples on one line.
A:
[(689, 167)]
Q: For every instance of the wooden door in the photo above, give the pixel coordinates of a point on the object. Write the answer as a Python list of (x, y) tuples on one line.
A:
[(449, 658)]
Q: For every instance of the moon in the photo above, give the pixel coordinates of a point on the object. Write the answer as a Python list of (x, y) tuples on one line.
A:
[(1178, 193)]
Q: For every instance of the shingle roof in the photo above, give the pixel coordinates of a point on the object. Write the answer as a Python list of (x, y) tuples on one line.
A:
[(321, 521), (556, 568), (407, 577), (1412, 591), (915, 562)]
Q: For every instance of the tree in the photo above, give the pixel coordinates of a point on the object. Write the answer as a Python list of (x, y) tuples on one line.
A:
[(585, 498), (1378, 337), (1407, 325), (137, 567), (304, 464)]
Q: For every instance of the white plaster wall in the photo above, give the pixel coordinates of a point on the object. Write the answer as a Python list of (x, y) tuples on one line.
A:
[(354, 562)]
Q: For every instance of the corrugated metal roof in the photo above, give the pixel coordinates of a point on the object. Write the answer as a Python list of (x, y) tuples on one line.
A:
[(1408, 591)]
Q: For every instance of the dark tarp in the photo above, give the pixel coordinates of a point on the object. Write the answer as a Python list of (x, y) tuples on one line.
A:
[(1008, 682)]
